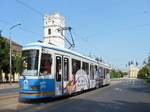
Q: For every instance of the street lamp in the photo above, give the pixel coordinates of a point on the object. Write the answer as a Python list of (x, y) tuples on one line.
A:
[(10, 51)]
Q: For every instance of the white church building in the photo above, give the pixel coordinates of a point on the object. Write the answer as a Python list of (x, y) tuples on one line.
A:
[(133, 71)]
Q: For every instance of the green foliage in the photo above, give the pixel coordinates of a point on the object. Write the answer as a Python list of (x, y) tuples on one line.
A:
[(4, 58), (143, 72), (117, 73), (16, 63), (4, 55), (148, 80)]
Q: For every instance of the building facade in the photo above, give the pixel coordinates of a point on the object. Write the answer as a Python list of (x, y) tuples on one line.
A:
[(16, 48), (133, 71)]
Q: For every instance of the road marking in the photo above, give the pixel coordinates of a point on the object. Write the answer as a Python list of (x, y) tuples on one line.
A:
[(117, 89)]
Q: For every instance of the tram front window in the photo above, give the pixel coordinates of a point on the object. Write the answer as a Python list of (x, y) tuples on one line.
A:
[(30, 62)]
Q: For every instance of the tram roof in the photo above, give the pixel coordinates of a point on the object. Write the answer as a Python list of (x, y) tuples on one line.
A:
[(53, 47)]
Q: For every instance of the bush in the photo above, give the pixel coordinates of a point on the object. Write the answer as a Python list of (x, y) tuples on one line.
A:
[(117, 73), (143, 72)]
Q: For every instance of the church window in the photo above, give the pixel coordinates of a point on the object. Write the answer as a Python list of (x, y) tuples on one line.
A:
[(49, 31)]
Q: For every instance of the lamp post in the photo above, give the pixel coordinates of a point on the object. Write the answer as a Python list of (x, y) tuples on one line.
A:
[(10, 51)]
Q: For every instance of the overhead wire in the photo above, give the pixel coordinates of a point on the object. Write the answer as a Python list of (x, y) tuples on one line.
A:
[(73, 43), (22, 28), (87, 42), (29, 7)]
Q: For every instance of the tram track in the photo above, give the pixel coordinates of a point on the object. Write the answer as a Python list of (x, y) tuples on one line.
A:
[(8, 103), (45, 106), (8, 96)]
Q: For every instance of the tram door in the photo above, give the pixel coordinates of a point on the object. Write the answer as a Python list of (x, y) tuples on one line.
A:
[(65, 74), (62, 74), (58, 76)]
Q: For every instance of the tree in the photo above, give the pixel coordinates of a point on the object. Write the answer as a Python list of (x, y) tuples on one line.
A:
[(4, 56), (117, 73), (16, 63), (143, 72)]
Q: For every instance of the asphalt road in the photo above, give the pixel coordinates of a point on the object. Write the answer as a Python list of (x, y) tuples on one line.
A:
[(8, 91), (128, 95)]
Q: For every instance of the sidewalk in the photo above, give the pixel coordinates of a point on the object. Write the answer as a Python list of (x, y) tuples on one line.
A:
[(7, 85)]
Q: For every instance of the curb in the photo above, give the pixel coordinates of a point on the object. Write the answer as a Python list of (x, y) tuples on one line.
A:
[(7, 85)]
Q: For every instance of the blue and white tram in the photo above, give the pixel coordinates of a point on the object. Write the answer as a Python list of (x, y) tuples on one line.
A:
[(49, 71), (102, 75)]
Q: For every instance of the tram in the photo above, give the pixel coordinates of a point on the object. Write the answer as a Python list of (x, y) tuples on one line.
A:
[(50, 71)]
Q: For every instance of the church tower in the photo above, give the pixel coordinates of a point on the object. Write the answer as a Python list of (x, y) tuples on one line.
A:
[(53, 29), (133, 71)]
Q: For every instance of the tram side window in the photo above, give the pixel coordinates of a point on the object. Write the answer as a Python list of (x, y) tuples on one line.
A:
[(58, 68), (46, 63), (101, 71), (107, 71), (76, 65), (66, 69), (96, 71), (85, 67), (104, 73), (91, 71)]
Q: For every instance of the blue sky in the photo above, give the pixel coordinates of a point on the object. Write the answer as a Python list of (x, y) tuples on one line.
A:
[(117, 30)]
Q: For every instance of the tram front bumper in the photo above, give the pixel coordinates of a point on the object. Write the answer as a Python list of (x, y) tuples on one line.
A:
[(35, 95)]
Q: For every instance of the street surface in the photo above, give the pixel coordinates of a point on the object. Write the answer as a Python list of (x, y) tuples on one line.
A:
[(124, 95)]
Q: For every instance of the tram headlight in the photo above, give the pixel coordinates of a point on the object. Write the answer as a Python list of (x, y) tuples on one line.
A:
[(35, 87)]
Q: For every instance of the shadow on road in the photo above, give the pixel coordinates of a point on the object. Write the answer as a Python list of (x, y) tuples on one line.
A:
[(140, 89), (43, 100), (81, 105), (48, 100), (7, 110)]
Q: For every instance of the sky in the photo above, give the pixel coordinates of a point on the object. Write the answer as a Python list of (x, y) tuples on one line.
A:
[(116, 30)]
